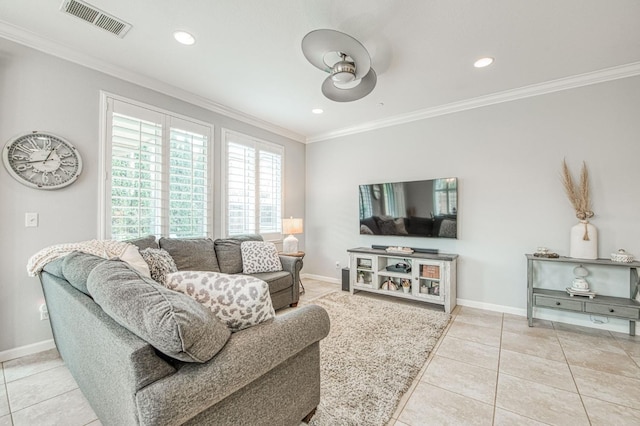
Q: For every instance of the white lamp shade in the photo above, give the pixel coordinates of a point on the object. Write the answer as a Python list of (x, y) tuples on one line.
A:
[(292, 226)]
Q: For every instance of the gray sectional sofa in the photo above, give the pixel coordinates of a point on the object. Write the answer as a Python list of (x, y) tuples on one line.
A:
[(128, 351), (223, 255)]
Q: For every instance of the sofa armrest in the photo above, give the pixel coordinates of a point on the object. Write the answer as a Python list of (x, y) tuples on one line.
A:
[(248, 355), (293, 265), (109, 362)]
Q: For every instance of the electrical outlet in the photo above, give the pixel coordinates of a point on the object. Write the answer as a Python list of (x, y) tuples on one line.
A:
[(337, 264), (31, 220), (44, 313)]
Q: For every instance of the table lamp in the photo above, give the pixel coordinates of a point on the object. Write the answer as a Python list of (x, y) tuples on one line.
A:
[(291, 226)]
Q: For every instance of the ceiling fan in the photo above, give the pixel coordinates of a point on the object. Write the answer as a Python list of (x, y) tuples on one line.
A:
[(345, 59)]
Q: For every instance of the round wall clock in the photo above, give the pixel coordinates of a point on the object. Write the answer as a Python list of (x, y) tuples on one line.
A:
[(42, 160)]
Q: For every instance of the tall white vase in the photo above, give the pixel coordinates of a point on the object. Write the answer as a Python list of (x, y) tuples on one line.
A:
[(584, 241)]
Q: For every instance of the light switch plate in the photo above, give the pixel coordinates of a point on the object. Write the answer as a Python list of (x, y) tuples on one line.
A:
[(31, 220)]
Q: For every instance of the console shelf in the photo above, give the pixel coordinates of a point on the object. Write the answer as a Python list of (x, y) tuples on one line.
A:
[(608, 306), (432, 277)]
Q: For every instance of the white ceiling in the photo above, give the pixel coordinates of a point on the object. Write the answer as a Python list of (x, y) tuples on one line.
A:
[(247, 58)]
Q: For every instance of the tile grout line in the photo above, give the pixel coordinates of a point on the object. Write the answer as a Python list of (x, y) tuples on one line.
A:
[(584, 407), (495, 395), (48, 399), (423, 369)]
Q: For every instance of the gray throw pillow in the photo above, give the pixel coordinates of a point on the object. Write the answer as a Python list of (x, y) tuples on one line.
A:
[(229, 254), (76, 268), (160, 264), (173, 323), (144, 242), (191, 254)]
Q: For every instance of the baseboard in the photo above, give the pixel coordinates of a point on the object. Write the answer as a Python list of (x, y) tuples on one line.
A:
[(612, 324), (321, 278), (491, 307), (31, 349)]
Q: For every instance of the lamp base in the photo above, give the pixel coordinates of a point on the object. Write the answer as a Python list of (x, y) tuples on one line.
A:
[(290, 244)]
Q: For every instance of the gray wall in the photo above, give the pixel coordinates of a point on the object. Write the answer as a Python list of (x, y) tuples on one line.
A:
[(40, 92), (507, 158)]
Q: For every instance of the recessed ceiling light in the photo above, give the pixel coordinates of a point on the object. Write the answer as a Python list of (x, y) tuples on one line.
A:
[(184, 37), (317, 110), (483, 62)]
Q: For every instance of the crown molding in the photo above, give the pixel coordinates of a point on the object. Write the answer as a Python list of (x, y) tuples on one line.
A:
[(34, 41), (580, 80)]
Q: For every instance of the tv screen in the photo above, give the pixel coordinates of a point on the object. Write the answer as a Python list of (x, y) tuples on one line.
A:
[(423, 208)]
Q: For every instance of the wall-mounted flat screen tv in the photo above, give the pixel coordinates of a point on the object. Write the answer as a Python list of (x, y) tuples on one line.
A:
[(423, 208)]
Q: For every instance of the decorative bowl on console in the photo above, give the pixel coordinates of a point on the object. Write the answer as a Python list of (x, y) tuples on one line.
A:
[(622, 256)]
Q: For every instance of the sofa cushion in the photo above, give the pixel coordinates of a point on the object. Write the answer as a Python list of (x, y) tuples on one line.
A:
[(240, 301), (191, 254), (144, 242), (76, 268), (259, 256), (277, 280), (160, 263), (176, 325), (229, 254)]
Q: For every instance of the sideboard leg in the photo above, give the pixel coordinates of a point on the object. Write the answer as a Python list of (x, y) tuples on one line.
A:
[(632, 328)]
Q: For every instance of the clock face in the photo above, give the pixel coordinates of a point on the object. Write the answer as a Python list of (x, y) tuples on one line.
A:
[(42, 160)]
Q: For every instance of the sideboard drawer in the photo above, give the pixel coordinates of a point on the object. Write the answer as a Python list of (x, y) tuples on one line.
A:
[(614, 311), (552, 302)]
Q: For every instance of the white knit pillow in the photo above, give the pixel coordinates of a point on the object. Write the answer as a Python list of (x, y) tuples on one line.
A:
[(259, 256), (239, 301)]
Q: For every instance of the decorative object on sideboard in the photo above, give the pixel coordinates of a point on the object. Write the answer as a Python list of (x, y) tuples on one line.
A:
[(291, 226), (579, 285), (584, 236), (544, 252), (42, 160), (622, 256), (406, 285), (389, 285)]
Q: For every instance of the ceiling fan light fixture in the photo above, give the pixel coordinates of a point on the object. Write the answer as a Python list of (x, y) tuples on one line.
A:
[(352, 66), (363, 88), (343, 72)]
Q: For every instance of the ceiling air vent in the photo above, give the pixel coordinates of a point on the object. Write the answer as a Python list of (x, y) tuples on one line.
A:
[(95, 16)]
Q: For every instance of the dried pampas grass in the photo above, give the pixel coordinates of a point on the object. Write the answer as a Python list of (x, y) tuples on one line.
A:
[(578, 195)]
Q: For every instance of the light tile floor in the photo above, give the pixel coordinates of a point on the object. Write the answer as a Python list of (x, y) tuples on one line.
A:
[(488, 368)]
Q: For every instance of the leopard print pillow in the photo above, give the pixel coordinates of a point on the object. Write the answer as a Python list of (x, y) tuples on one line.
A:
[(160, 263), (259, 256), (239, 301)]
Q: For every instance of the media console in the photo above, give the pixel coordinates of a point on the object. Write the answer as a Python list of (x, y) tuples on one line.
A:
[(431, 277)]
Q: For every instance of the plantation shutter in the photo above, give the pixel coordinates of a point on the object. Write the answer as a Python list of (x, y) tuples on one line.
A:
[(189, 206), (253, 187), (241, 189), (136, 175), (270, 184), (159, 181)]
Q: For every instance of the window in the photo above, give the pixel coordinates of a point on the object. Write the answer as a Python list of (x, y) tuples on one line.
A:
[(445, 196), (253, 186), (157, 169)]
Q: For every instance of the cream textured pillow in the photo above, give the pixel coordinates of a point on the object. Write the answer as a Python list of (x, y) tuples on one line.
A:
[(259, 256), (133, 258), (239, 301)]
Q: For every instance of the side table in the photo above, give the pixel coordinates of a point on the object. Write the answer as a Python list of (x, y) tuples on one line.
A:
[(299, 254)]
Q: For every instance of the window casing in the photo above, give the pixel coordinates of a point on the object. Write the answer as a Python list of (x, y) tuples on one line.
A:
[(253, 173), (158, 173)]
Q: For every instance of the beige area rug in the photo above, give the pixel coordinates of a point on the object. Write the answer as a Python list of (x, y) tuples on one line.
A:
[(372, 354)]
